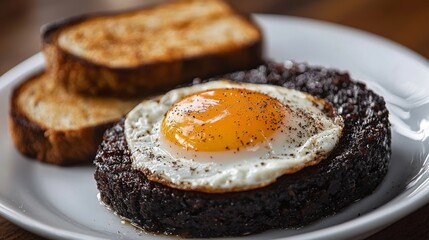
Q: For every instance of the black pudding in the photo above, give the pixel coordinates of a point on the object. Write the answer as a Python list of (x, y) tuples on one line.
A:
[(352, 171)]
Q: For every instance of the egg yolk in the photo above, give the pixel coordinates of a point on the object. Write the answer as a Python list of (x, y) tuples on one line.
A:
[(222, 119)]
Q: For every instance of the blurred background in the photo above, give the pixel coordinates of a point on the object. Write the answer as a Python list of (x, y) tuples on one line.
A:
[(405, 22)]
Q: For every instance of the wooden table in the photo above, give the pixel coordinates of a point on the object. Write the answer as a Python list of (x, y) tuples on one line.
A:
[(406, 22)]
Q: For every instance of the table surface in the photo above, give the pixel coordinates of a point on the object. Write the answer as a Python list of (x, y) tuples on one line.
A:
[(405, 22)]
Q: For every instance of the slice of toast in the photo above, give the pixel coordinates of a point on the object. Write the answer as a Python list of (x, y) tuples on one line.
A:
[(58, 127), (154, 48)]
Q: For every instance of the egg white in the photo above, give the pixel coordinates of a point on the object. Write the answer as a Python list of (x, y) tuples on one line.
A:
[(233, 170)]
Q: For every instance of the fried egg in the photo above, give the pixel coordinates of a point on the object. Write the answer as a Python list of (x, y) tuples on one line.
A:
[(223, 136)]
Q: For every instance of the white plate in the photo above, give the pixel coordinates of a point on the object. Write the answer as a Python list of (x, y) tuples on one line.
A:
[(61, 202)]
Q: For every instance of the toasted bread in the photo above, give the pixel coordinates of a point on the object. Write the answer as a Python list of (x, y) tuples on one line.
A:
[(58, 127), (150, 49)]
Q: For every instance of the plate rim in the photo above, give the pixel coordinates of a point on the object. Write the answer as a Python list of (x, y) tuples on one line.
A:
[(373, 221)]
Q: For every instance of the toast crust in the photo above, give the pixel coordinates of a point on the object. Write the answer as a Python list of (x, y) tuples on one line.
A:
[(83, 75), (55, 145)]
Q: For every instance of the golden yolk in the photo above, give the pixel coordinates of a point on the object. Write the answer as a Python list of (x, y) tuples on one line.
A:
[(222, 119)]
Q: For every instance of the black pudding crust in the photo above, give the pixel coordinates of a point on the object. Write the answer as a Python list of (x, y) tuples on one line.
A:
[(352, 171)]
